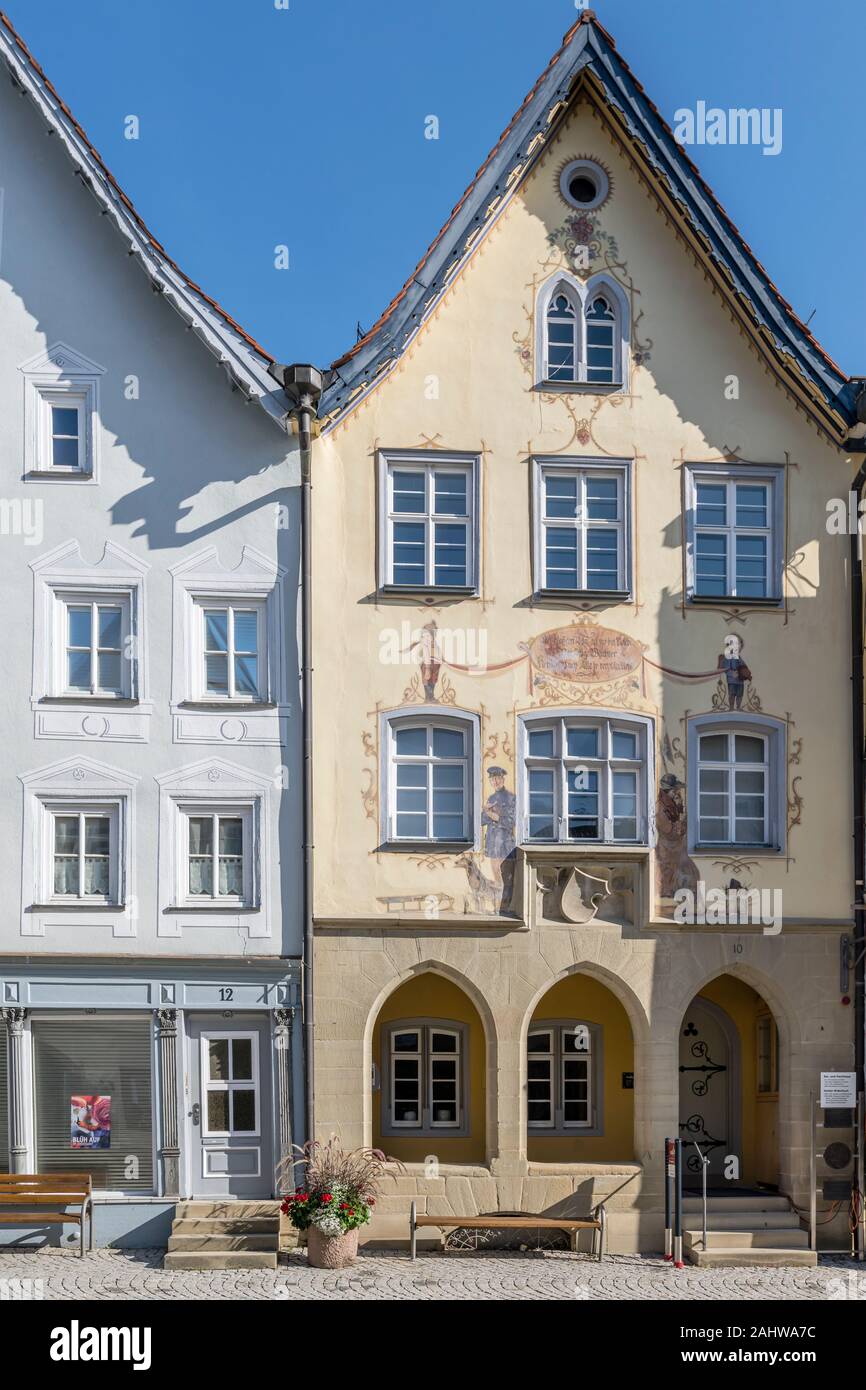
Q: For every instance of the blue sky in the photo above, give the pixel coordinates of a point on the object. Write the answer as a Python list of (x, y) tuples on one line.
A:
[(263, 126)]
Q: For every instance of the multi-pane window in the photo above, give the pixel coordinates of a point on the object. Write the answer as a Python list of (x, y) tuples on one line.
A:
[(734, 787), (601, 341), (83, 853), (65, 441), (585, 780), (96, 662), (582, 335), (430, 785), (732, 533), (582, 539), (216, 847), (425, 1077), (559, 1077), (230, 1064), (767, 1058), (562, 338), (231, 651), (430, 538)]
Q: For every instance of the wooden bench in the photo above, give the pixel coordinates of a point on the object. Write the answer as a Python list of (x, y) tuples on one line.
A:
[(596, 1224), (35, 1191)]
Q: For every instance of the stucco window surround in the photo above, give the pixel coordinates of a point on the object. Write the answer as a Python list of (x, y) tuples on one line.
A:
[(740, 523), (201, 585), (77, 787), (61, 447), (715, 776), (564, 371), (585, 778), (564, 1078), (207, 789), (429, 528), (419, 785), (424, 1089), (582, 524), (63, 580)]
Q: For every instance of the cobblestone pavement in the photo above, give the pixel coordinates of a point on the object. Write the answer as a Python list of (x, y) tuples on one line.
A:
[(110, 1274)]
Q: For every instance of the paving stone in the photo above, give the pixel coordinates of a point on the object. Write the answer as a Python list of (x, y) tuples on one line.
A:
[(138, 1274)]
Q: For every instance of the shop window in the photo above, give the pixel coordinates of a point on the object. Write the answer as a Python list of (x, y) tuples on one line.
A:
[(92, 1079)]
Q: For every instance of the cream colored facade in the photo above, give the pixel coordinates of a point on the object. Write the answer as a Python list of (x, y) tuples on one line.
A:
[(469, 937)]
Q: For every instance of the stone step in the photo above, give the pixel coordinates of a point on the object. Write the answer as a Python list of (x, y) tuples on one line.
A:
[(749, 1220), (746, 1255), (209, 1243), (226, 1210), (734, 1202), (745, 1238), (221, 1259), (249, 1226)]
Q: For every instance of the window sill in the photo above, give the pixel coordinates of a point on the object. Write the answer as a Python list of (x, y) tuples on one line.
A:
[(79, 905), (91, 701), (205, 704), (407, 591), (731, 600), (430, 846), (596, 595), (548, 849), (739, 851), (583, 388), (59, 475), (214, 906)]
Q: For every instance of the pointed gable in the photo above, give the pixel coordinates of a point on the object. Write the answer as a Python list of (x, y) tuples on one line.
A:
[(588, 66)]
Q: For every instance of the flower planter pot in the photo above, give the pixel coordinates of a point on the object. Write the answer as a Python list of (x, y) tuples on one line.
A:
[(331, 1252)]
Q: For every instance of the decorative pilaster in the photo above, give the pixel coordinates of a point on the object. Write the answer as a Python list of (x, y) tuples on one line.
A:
[(170, 1150), (284, 1022), (14, 1019)]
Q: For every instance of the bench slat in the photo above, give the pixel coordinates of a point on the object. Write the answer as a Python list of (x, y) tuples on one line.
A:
[(37, 1218), (42, 1199), (519, 1223)]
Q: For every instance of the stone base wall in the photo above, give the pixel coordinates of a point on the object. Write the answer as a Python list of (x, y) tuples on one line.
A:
[(654, 974)]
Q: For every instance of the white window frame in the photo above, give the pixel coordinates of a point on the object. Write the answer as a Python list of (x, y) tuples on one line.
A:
[(430, 717), (209, 603), (428, 463), (246, 1084), (773, 732), (426, 1125), (63, 377), (582, 295), (607, 722), (547, 465), (94, 599), (77, 784), (773, 478), (215, 901), (556, 1125), (110, 811), (202, 581)]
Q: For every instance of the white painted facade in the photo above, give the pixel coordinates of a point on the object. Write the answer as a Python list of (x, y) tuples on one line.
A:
[(147, 478)]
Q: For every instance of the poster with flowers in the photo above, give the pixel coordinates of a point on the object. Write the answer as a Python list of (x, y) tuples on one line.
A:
[(90, 1122)]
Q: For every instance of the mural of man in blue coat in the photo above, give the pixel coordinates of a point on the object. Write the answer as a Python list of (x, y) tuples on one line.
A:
[(499, 817)]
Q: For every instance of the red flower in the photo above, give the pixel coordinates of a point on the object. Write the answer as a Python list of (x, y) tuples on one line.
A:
[(371, 1201), (326, 1197)]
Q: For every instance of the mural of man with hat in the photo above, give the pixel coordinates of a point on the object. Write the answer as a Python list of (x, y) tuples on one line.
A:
[(499, 817), (674, 868)]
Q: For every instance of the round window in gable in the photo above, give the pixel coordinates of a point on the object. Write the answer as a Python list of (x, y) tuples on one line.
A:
[(583, 184)]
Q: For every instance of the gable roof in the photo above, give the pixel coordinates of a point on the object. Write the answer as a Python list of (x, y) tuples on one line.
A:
[(245, 361), (588, 63)]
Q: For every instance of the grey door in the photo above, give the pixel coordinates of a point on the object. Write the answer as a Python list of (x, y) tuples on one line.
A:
[(230, 1120)]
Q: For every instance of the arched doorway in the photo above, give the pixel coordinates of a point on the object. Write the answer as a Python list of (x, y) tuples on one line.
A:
[(729, 1085), (429, 1074), (579, 1076)]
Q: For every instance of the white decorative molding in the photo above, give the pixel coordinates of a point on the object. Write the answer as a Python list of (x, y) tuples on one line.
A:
[(81, 781), (63, 572), (214, 783), (60, 368), (230, 722)]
